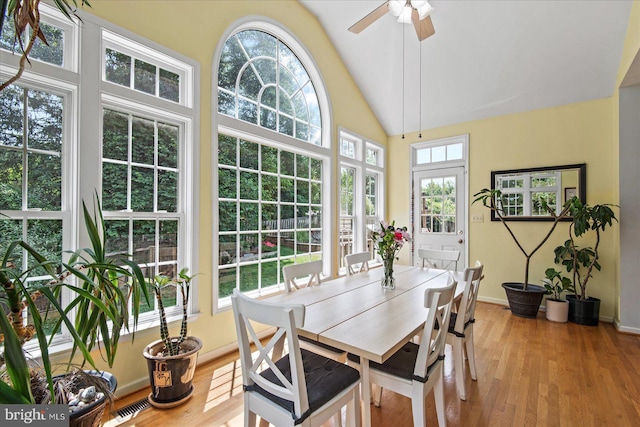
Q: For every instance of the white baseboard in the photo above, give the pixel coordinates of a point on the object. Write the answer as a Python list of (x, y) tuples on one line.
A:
[(143, 382), (625, 329), (605, 319)]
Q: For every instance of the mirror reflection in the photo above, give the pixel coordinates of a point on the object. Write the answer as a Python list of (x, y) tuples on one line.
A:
[(524, 189)]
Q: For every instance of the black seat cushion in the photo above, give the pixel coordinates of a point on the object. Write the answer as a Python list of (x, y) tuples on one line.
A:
[(325, 379), (452, 324), (400, 364), (320, 344)]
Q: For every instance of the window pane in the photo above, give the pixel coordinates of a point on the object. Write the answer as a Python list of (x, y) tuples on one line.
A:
[(168, 241), (168, 137), (226, 150), (115, 135), (286, 190), (248, 155), (142, 140), (348, 148), (116, 237), (52, 52), (227, 213), (144, 240), (226, 282), (249, 84), (227, 251), (269, 273), (269, 188), (248, 185), (372, 156), (423, 155), (44, 185), (269, 217), (248, 216), (454, 151), (10, 179), (46, 235), (227, 183), (118, 67), (44, 120), (169, 85), (249, 277), (142, 189), (167, 191), (11, 116), (269, 159), (114, 187), (144, 78), (438, 154), (287, 164)]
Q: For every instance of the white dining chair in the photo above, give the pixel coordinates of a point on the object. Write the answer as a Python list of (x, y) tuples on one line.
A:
[(300, 388), (437, 258), (309, 270), (353, 260), (460, 333), (415, 369)]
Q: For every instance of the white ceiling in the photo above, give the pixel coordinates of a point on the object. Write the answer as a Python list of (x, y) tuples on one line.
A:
[(487, 58)]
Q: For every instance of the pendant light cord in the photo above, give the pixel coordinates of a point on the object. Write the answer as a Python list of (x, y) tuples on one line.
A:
[(402, 26), (420, 92)]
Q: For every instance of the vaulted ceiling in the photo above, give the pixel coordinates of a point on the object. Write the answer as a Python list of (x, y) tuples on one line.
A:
[(487, 58)]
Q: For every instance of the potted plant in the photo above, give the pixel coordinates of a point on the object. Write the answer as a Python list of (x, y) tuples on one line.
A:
[(524, 298), (102, 292), (171, 361), (581, 261), (557, 309)]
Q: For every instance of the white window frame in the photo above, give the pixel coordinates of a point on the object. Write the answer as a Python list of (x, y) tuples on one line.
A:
[(82, 123), (362, 169), (224, 124)]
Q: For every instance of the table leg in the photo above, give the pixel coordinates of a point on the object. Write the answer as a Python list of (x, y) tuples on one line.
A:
[(366, 392)]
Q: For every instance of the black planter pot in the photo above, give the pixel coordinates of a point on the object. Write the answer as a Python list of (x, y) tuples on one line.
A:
[(524, 303), (171, 376), (584, 311)]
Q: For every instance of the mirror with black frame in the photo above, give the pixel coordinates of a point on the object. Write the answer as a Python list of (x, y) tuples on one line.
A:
[(523, 189)]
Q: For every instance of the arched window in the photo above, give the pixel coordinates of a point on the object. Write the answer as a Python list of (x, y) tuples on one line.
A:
[(273, 183), (261, 81)]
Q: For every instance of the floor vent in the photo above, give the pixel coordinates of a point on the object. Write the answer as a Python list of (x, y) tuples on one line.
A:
[(131, 410)]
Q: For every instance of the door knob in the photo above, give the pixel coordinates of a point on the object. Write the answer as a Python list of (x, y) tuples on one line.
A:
[(460, 241)]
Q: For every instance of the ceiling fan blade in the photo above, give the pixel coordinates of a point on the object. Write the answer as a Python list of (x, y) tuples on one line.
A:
[(424, 27), (372, 17)]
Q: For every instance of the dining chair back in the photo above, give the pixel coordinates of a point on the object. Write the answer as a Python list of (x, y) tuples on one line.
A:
[(352, 261), (309, 270), (437, 258), (300, 388), (460, 334), (415, 369)]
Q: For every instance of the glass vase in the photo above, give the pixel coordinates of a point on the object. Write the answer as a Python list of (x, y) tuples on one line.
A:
[(388, 281)]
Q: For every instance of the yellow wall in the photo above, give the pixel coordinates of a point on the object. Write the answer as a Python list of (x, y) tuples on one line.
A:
[(194, 28), (577, 133)]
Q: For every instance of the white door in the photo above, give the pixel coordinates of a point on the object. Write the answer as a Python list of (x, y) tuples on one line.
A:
[(439, 211)]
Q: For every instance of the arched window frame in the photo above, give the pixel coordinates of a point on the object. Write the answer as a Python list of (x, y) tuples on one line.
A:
[(224, 124)]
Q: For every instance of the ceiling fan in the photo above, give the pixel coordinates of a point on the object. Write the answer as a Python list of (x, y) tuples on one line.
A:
[(415, 11)]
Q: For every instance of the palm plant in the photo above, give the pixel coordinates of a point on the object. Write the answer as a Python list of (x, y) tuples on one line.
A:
[(104, 296)]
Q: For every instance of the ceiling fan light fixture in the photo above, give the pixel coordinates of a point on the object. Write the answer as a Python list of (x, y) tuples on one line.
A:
[(405, 15), (424, 10), (396, 6)]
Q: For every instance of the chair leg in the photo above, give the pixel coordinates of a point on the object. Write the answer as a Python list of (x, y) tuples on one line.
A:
[(376, 394), (438, 394), (337, 419), (471, 353), (418, 405), (458, 366), (353, 410)]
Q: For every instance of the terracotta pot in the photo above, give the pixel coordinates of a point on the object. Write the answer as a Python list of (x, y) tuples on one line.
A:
[(557, 310), (171, 376)]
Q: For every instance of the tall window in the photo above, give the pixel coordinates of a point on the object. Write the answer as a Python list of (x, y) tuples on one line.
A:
[(31, 176), (132, 147), (273, 157), (361, 192), (145, 156)]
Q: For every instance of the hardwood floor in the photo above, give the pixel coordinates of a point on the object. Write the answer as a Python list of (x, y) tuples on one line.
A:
[(531, 372)]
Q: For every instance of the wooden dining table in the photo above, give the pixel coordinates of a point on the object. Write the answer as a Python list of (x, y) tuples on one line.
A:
[(355, 314)]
